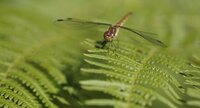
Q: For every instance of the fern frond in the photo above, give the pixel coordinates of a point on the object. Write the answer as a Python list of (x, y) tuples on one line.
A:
[(34, 60), (107, 102), (139, 76), (18, 90), (194, 93)]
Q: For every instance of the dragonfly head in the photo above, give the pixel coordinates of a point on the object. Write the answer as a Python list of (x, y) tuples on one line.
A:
[(110, 34)]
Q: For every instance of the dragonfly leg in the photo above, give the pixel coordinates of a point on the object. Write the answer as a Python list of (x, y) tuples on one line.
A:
[(117, 44), (100, 44), (110, 44), (104, 44), (113, 46)]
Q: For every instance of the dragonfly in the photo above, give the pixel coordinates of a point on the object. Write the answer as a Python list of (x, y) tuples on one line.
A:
[(111, 33)]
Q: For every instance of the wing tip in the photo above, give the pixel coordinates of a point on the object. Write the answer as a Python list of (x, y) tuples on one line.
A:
[(60, 20), (164, 46), (161, 44), (64, 19)]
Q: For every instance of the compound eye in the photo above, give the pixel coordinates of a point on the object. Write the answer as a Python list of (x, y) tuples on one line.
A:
[(107, 33)]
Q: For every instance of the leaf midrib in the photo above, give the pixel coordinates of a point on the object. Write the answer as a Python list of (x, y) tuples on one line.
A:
[(143, 63)]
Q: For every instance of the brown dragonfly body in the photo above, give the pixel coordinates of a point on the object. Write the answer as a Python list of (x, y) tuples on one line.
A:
[(112, 31)]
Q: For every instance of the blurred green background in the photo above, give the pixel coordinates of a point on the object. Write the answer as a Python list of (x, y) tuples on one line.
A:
[(29, 34), (176, 22)]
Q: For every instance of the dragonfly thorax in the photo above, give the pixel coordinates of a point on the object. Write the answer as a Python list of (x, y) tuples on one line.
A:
[(110, 34)]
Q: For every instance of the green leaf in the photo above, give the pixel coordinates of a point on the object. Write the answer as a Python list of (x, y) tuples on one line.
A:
[(140, 76)]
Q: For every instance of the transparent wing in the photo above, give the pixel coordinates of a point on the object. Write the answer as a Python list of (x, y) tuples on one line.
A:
[(145, 35), (71, 22)]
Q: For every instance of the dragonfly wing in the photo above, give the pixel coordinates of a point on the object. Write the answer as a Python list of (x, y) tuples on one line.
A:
[(71, 22), (145, 35)]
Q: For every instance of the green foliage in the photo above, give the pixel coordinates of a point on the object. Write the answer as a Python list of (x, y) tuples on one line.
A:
[(43, 64), (32, 72), (139, 75)]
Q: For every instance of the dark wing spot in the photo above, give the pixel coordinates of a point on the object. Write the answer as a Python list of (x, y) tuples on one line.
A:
[(160, 43), (60, 20)]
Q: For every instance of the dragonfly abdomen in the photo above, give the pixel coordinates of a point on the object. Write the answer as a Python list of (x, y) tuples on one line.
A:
[(123, 20)]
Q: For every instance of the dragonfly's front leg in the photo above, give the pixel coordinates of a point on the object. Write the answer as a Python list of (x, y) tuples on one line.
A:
[(104, 44), (100, 44), (117, 44)]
